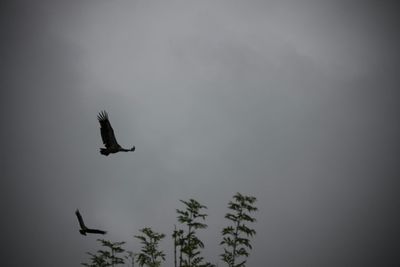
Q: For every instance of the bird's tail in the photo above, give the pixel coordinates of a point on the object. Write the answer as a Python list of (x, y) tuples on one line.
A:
[(104, 151)]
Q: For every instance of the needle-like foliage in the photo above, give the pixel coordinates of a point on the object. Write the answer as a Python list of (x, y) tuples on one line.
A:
[(235, 239), (150, 255)]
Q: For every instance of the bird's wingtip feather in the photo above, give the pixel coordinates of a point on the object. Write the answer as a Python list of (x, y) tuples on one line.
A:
[(102, 115)]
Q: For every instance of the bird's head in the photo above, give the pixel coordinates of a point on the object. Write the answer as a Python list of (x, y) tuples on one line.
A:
[(133, 148)]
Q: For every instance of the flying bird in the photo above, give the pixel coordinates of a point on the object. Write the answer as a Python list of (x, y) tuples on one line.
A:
[(84, 230), (107, 134)]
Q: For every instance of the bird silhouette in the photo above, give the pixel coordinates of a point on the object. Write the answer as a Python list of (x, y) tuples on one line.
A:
[(108, 137), (84, 230)]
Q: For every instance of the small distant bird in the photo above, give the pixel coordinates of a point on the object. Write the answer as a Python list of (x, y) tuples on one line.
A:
[(84, 230), (107, 134)]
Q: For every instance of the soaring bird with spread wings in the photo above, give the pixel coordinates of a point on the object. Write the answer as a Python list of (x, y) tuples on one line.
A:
[(84, 230), (107, 134)]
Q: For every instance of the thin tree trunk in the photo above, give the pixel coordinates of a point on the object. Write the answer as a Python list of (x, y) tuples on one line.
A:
[(235, 240), (180, 255), (112, 258), (175, 246), (188, 239)]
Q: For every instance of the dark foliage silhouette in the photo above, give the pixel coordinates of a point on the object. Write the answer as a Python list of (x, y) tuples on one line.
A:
[(236, 240), (150, 255), (108, 137), (84, 230), (111, 255), (189, 244)]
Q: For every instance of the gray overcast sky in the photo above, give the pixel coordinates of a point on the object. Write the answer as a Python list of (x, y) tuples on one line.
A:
[(294, 102)]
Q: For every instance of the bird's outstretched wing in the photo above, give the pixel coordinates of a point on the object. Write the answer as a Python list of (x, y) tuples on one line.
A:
[(84, 229), (80, 219), (107, 132), (96, 231)]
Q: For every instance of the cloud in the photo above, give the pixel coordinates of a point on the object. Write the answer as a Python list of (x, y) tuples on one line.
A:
[(294, 103)]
